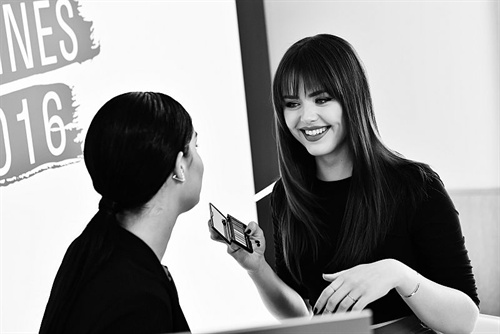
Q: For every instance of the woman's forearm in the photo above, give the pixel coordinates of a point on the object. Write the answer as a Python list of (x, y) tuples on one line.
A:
[(281, 300), (442, 308)]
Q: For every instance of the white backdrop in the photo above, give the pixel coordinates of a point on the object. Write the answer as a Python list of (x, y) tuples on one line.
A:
[(189, 50), (433, 69)]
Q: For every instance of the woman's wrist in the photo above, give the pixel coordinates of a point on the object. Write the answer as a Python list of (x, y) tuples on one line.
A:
[(408, 280), (260, 269)]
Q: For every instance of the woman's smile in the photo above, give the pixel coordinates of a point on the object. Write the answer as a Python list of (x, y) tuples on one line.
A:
[(315, 119), (315, 133)]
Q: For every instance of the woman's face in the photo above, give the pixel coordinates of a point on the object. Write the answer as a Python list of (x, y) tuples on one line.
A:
[(315, 119), (193, 173)]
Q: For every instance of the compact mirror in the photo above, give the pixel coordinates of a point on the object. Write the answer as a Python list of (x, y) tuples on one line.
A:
[(230, 229), (218, 222)]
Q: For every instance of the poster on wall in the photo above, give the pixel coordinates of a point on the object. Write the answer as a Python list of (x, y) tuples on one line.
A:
[(38, 122), (60, 61)]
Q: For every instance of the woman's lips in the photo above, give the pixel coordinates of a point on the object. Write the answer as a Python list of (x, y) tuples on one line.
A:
[(315, 134)]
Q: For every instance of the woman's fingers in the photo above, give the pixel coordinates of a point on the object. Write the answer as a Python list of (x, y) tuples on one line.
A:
[(213, 234), (360, 304), (353, 289), (342, 301), (339, 296), (232, 248), (345, 301), (335, 299), (332, 277), (253, 229), (325, 296), (255, 234)]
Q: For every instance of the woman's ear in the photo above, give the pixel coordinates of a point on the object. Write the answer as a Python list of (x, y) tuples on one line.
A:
[(178, 173)]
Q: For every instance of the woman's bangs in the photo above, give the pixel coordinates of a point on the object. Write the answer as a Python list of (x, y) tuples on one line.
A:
[(289, 84), (306, 74)]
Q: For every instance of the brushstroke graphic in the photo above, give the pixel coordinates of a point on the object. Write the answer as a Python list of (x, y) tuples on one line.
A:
[(38, 128), (42, 36), (37, 132)]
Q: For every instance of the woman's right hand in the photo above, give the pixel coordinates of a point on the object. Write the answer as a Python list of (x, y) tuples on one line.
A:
[(252, 262)]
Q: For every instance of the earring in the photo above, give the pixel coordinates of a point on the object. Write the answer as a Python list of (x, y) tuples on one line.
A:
[(177, 178)]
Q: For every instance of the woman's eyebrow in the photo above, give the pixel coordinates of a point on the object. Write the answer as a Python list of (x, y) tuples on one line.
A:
[(316, 93), (312, 94)]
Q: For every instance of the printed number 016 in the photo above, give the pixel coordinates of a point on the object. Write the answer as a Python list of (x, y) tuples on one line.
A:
[(50, 124)]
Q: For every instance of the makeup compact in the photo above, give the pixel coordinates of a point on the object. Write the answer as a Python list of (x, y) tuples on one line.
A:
[(230, 229)]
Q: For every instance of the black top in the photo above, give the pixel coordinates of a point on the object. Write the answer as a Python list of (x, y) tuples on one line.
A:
[(430, 242), (133, 293)]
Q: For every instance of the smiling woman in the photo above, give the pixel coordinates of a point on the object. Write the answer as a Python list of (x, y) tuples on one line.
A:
[(356, 225), (312, 116)]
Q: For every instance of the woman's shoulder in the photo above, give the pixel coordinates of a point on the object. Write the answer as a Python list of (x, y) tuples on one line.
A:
[(414, 184), (425, 187), (415, 175), (428, 178)]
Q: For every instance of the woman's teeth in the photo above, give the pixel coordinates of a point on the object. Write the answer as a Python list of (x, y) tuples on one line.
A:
[(315, 132)]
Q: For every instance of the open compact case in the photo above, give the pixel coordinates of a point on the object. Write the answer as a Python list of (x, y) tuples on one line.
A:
[(230, 229)]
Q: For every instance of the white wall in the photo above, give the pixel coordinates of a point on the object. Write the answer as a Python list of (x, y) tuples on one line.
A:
[(189, 50), (433, 68)]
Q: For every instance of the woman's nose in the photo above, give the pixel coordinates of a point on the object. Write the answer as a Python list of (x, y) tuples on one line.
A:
[(309, 113)]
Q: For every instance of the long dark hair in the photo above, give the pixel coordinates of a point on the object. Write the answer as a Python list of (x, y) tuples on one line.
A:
[(130, 150), (329, 63)]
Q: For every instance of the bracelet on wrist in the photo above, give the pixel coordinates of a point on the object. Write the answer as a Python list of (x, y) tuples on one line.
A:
[(415, 290)]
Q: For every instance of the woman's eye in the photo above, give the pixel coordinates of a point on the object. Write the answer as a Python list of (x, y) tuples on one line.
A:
[(323, 100), (291, 104)]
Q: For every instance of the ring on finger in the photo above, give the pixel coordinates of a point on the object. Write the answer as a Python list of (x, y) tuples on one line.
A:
[(354, 300)]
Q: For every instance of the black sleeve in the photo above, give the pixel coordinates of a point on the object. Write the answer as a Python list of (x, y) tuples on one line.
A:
[(442, 255), (277, 202)]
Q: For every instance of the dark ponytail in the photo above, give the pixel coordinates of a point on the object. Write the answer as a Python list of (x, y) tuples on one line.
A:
[(130, 150)]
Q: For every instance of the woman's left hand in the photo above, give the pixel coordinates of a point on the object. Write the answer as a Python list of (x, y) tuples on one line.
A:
[(354, 288)]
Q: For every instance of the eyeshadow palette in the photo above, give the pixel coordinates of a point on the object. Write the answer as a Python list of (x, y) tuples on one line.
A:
[(230, 229)]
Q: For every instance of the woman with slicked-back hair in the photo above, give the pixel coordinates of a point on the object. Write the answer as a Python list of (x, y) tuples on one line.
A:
[(356, 225), (140, 151)]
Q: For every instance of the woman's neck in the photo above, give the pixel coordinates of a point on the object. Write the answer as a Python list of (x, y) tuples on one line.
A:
[(153, 226), (334, 167)]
